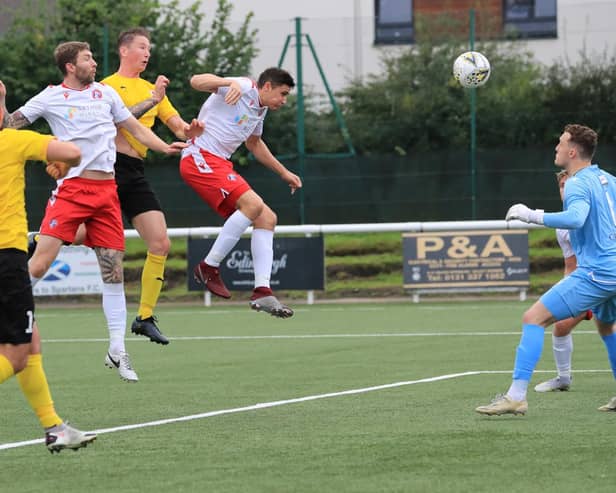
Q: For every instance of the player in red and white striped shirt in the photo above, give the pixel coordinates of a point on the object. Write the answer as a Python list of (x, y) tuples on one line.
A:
[(86, 113), (233, 115)]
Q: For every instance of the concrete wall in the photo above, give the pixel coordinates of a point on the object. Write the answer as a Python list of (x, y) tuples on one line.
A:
[(343, 34)]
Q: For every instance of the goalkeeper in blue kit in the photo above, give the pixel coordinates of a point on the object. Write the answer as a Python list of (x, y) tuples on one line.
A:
[(589, 213)]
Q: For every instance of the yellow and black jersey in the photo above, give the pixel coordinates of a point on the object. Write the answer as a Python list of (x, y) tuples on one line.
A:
[(16, 147), (134, 90)]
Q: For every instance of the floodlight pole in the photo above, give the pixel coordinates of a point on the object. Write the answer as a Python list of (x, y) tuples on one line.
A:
[(473, 125)]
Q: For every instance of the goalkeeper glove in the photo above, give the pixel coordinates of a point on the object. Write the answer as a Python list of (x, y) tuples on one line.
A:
[(523, 213)]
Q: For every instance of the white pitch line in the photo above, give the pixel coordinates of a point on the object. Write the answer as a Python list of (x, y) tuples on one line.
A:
[(315, 336), (43, 313), (262, 405), (265, 405)]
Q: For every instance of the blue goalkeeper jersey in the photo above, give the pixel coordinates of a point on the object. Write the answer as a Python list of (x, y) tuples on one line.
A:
[(590, 213)]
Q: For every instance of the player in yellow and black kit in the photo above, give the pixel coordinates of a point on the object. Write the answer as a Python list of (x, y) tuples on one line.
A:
[(140, 206), (20, 343)]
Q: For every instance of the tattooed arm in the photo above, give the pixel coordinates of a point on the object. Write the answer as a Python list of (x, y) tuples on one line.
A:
[(13, 120), (140, 109), (160, 87)]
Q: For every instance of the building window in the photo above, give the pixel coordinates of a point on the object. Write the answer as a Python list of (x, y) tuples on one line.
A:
[(530, 18), (393, 21)]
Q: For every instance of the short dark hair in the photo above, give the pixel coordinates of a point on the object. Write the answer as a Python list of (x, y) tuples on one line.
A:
[(276, 76), (126, 37), (585, 138), (68, 52)]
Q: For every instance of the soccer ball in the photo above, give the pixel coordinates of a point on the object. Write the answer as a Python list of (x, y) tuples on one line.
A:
[(471, 69)]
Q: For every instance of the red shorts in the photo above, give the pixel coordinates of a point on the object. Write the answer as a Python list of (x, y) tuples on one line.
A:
[(93, 202), (214, 180)]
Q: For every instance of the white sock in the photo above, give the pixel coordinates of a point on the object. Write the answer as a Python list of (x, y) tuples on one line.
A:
[(262, 247), (562, 348), (114, 306), (34, 280), (229, 235), (517, 391)]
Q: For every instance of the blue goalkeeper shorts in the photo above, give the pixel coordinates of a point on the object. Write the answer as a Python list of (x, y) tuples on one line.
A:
[(581, 291)]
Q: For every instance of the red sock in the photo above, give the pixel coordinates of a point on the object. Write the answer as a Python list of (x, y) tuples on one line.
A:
[(260, 292)]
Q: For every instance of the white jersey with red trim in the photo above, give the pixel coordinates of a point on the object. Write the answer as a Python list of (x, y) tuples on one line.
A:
[(562, 236), (227, 126), (86, 117)]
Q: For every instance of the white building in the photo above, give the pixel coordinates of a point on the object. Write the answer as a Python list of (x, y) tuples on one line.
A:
[(343, 31)]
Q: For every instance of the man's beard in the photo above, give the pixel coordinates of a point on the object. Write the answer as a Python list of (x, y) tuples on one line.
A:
[(85, 78)]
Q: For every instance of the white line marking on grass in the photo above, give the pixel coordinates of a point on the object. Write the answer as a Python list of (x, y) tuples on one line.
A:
[(265, 405), (315, 336), (495, 372), (262, 405), (43, 314)]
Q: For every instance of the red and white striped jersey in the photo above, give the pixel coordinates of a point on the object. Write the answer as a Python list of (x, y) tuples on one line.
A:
[(228, 126), (86, 117)]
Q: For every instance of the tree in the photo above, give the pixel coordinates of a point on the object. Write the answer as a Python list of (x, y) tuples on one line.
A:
[(415, 104), (181, 46), (583, 92)]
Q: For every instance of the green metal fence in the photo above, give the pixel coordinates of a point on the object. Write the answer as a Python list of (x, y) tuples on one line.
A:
[(435, 186)]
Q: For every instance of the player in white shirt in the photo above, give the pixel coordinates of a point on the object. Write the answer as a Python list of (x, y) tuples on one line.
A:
[(233, 115), (562, 340), (86, 113)]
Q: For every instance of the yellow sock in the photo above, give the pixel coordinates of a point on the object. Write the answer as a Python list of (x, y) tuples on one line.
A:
[(151, 283), (6, 369), (33, 383)]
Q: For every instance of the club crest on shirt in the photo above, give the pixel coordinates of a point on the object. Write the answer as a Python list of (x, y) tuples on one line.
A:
[(97, 94)]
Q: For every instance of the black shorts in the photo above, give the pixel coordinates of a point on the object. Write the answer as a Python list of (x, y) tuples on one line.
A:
[(136, 195), (16, 300)]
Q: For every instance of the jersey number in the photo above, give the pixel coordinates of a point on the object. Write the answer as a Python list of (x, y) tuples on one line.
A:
[(30, 316)]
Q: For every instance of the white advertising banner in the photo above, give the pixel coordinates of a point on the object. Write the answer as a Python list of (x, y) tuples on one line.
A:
[(75, 271)]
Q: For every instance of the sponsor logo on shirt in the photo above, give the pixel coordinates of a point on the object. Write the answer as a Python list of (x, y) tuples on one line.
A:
[(70, 112), (241, 119), (231, 177), (85, 113)]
